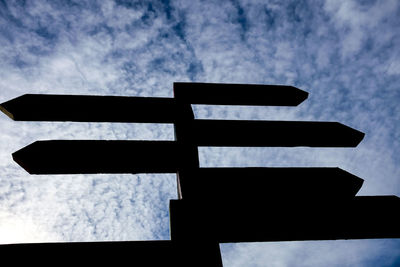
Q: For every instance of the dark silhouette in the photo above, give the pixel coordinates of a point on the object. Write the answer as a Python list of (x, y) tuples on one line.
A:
[(87, 108), (273, 133), (285, 219), (215, 204), (271, 185), (238, 94), (97, 156)]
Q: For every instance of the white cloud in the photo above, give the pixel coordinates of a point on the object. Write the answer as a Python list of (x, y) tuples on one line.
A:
[(394, 67), (312, 253), (21, 229), (360, 21)]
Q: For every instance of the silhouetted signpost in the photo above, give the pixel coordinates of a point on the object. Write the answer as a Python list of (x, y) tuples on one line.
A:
[(215, 205)]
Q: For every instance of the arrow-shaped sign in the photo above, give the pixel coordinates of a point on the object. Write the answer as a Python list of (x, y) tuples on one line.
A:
[(90, 156), (146, 253), (138, 253), (99, 156), (273, 133), (269, 185), (238, 94), (88, 108)]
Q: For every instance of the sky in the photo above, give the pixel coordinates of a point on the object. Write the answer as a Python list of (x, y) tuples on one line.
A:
[(346, 54)]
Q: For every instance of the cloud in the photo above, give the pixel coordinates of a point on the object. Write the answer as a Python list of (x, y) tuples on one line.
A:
[(360, 21), (313, 253), (21, 230)]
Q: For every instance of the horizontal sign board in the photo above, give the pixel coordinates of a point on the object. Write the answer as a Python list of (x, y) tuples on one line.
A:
[(272, 133), (110, 253), (362, 218), (89, 108), (238, 94), (269, 185), (97, 156)]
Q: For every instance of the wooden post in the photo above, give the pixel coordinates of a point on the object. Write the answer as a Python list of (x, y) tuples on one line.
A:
[(204, 252)]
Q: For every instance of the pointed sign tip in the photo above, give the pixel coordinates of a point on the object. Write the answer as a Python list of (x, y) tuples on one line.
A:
[(361, 137), (5, 111), (20, 161), (357, 181), (358, 136), (303, 95)]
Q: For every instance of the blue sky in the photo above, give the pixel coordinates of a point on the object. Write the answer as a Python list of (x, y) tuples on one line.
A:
[(346, 54)]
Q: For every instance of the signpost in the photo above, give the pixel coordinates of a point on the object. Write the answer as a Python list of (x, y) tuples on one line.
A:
[(215, 205)]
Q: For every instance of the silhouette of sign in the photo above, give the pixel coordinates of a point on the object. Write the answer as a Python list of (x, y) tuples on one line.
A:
[(238, 94), (215, 204), (273, 133), (271, 185), (285, 220), (88, 108), (96, 156)]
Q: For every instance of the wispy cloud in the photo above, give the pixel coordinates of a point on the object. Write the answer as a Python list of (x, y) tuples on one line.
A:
[(313, 253)]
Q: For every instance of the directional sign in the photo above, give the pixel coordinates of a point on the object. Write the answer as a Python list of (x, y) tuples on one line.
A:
[(238, 94), (148, 253), (90, 156), (88, 108), (273, 133), (270, 185), (216, 204), (140, 253), (363, 217)]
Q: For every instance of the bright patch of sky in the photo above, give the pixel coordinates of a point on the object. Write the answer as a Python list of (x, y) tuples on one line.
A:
[(346, 54)]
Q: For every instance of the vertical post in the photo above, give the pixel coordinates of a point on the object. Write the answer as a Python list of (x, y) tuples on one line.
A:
[(190, 233), (188, 156), (204, 252)]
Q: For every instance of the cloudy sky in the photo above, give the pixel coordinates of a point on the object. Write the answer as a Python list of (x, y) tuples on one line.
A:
[(346, 54)]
